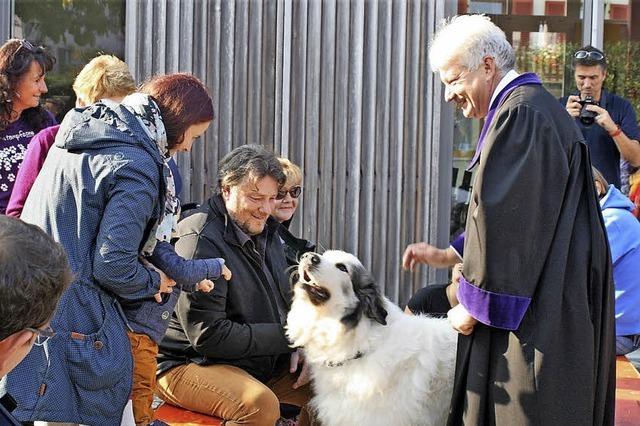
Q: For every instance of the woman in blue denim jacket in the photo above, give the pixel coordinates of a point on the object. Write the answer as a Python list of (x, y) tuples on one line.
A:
[(104, 193)]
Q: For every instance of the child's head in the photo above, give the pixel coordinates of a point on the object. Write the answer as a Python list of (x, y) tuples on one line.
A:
[(105, 76)]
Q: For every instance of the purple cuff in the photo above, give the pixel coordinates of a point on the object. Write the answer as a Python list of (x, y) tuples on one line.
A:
[(458, 245), (493, 309)]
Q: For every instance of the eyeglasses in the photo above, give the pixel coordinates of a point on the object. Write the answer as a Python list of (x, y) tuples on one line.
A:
[(293, 191), (583, 54), (42, 334)]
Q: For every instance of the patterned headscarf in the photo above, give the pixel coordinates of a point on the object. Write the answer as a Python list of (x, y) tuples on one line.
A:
[(148, 114)]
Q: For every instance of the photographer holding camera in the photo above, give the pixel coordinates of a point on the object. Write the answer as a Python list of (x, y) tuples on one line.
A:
[(607, 121)]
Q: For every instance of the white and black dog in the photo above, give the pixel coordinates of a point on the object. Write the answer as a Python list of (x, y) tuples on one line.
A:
[(371, 364)]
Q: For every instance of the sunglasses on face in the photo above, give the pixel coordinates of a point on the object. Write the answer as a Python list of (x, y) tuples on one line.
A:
[(293, 191), (583, 54), (42, 334)]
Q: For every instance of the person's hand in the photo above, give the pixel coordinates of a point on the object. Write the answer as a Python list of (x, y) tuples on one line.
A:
[(297, 358), (574, 106), (452, 288), (205, 286), (226, 273), (166, 285), (461, 320), (427, 254), (456, 274), (603, 118)]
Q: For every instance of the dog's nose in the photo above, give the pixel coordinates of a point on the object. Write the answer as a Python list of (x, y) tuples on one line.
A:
[(315, 259)]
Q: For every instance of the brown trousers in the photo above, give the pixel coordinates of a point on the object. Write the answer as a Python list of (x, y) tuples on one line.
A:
[(232, 394), (144, 351)]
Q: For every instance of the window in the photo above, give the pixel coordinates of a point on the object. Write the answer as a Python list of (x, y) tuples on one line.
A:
[(75, 31)]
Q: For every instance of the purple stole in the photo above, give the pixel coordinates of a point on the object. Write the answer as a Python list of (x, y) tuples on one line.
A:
[(521, 80)]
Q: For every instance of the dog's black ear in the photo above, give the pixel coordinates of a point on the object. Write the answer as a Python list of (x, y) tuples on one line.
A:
[(371, 302)]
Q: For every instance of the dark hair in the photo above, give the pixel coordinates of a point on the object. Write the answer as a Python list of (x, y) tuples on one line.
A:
[(16, 57), (249, 160), (588, 61), (34, 272), (183, 101)]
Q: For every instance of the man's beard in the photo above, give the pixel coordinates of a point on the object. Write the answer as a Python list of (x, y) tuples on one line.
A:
[(244, 226)]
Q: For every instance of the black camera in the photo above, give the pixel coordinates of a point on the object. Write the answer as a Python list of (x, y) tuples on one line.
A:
[(587, 117)]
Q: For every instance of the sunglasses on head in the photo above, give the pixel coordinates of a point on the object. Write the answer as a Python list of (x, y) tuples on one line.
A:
[(293, 191), (26, 45), (583, 54)]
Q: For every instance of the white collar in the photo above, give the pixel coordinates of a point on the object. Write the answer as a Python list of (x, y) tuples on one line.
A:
[(508, 78)]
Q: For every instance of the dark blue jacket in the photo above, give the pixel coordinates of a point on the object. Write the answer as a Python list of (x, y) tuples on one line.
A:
[(241, 322)]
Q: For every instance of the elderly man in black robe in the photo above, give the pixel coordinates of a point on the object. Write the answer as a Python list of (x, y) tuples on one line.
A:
[(536, 311)]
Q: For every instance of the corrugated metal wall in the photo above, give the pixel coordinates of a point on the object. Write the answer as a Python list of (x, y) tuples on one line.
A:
[(342, 88)]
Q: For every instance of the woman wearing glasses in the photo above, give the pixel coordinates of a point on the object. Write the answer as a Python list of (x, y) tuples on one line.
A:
[(22, 70), (286, 205)]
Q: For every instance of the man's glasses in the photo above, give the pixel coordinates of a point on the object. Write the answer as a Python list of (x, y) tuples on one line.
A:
[(583, 54), (294, 192), (42, 334)]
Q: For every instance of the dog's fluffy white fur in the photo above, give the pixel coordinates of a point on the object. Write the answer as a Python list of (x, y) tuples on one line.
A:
[(371, 364)]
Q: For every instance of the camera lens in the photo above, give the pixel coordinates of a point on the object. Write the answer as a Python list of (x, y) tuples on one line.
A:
[(588, 117)]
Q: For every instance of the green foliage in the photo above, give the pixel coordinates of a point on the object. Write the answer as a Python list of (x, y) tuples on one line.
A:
[(83, 19), (623, 72)]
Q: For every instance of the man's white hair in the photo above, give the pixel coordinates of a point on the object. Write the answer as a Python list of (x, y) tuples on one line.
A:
[(466, 40)]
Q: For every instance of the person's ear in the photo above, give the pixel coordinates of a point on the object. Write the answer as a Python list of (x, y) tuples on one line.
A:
[(12, 343), (489, 66), (226, 192), (23, 337)]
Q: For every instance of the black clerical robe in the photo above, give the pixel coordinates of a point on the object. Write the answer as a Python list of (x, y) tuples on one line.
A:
[(537, 275)]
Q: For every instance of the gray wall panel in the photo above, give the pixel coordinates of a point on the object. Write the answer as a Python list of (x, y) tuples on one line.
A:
[(312, 120), (339, 123), (383, 110), (354, 127), (324, 168)]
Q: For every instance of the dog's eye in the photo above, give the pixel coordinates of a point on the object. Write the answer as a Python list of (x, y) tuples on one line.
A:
[(342, 267)]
